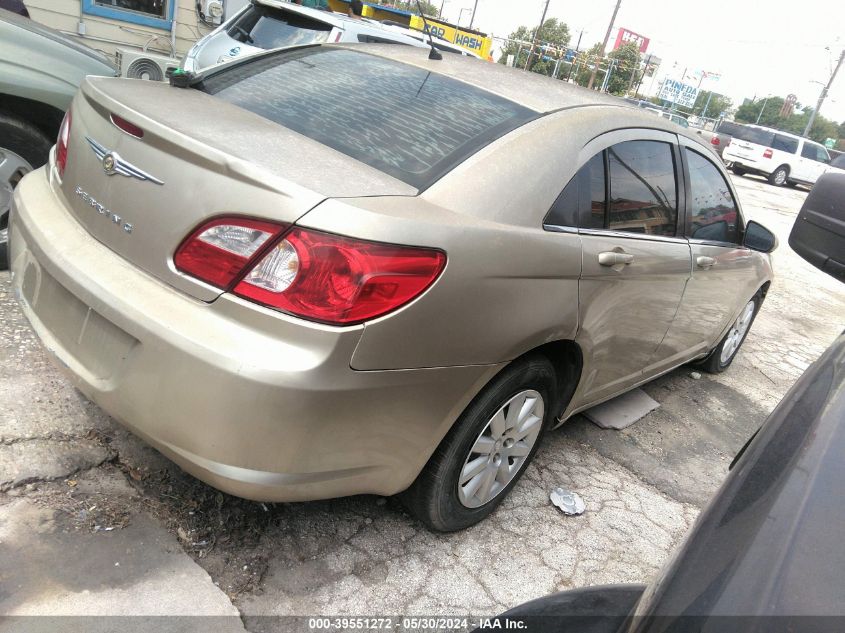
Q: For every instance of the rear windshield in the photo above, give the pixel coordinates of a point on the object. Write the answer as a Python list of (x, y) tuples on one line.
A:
[(268, 27), (753, 135), (728, 127), (410, 123)]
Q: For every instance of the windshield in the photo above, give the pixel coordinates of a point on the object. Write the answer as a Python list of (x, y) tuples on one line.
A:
[(267, 27), (410, 123)]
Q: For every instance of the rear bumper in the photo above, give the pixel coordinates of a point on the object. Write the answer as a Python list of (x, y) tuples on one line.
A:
[(254, 403)]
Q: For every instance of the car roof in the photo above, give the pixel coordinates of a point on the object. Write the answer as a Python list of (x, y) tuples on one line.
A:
[(538, 92), (781, 132)]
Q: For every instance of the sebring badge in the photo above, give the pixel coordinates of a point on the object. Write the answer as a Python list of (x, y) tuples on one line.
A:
[(114, 164), (100, 209)]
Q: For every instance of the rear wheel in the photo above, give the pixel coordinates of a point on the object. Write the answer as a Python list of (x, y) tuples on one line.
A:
[(721, 358), (779, 176), (22, 148), (487, 450), (739, 171)]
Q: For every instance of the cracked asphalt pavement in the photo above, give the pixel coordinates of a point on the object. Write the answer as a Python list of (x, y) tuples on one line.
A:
[(93, 521)]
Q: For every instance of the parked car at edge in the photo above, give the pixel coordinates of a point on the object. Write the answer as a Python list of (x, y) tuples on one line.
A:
[(781, 157), (766, 553), (40, 71), (721, 137), (330, 299), (672, 116), (269, 24)]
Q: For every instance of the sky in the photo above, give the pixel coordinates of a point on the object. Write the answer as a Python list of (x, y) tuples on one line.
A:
[(759, 48)]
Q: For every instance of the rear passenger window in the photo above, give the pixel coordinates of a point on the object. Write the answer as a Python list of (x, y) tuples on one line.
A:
[(643, 189), (713, 215), (814, 152), (785, 144)]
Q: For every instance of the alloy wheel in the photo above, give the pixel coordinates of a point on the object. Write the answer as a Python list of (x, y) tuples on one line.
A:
[(737, 333), (501, 449), (12, 169)]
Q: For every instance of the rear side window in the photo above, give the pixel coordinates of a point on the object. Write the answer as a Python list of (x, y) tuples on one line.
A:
[(785, 144), (713, 214), (643, 188), (814, 152), (410, 123), (583, 202), (754, 135), (267, 27)]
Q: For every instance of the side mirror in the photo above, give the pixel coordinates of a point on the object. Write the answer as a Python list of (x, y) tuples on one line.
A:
[(759, 238), (818, 234)]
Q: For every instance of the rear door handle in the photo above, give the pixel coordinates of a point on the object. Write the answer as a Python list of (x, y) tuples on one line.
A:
[(704, 262), (612, 258)]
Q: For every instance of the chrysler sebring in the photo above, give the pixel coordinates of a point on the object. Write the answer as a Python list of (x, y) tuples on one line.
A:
[(342, 269)]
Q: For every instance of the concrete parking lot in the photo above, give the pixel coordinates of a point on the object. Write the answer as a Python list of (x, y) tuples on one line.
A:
[(92, 521)]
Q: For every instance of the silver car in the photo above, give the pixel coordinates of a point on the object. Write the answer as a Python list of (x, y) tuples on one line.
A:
[(269, 24), (333, 270)]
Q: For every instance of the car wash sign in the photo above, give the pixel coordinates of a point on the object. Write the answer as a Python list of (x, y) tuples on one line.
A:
[(678, 93), (629, 37), (473, 41)]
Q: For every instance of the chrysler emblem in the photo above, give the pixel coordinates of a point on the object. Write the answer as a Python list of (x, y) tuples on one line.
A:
[(114, 164)]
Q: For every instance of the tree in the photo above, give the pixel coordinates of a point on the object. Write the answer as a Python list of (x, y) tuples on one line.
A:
[(411, 5), (552, 41), (768, 110), (717, 104), (584, 64), (626, 69)]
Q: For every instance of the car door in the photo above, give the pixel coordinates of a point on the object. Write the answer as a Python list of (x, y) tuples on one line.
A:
[(814, 160), (634, 265), (724, 276)]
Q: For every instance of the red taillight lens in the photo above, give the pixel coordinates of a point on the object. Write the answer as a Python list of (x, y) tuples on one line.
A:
[(339, 280), (125, 126), (715, 141), (768, 153), (219, 251), (62, 144)]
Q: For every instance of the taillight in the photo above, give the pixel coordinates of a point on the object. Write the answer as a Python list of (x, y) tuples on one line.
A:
[(62, 144), (219, 251), (339, 280), (768, 153), (715, 141), (125, 126)]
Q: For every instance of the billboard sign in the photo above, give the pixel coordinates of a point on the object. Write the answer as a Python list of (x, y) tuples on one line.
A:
[(629, 37), (678, 93)]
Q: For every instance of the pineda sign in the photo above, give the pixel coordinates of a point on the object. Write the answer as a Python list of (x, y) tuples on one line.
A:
[(629, 37)]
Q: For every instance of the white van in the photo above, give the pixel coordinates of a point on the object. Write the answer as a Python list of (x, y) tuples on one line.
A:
[(781, 157)]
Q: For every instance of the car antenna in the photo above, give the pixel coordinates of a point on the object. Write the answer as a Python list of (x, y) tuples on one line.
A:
[(434, 53)]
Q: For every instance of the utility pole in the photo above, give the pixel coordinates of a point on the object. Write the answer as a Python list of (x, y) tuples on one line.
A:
[(572, 63), (537, 34), (472, 17), (765, 101), (604, 45), (823, 95)]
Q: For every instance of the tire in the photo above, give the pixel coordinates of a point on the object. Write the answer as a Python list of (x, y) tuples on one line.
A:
[(434, 498), (739, 171), (719, 360), (23, 147), (779, 177)]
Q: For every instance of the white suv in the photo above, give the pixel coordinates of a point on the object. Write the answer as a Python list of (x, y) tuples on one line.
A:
[(268, 24), (781, 157)]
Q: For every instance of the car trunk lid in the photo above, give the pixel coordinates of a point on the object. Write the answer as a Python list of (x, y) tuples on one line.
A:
[(198, 158)]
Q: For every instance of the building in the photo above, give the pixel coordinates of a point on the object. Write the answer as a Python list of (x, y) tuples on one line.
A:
[(168, 27)]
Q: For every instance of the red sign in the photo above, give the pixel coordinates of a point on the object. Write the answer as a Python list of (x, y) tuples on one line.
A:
[(629, 37)]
